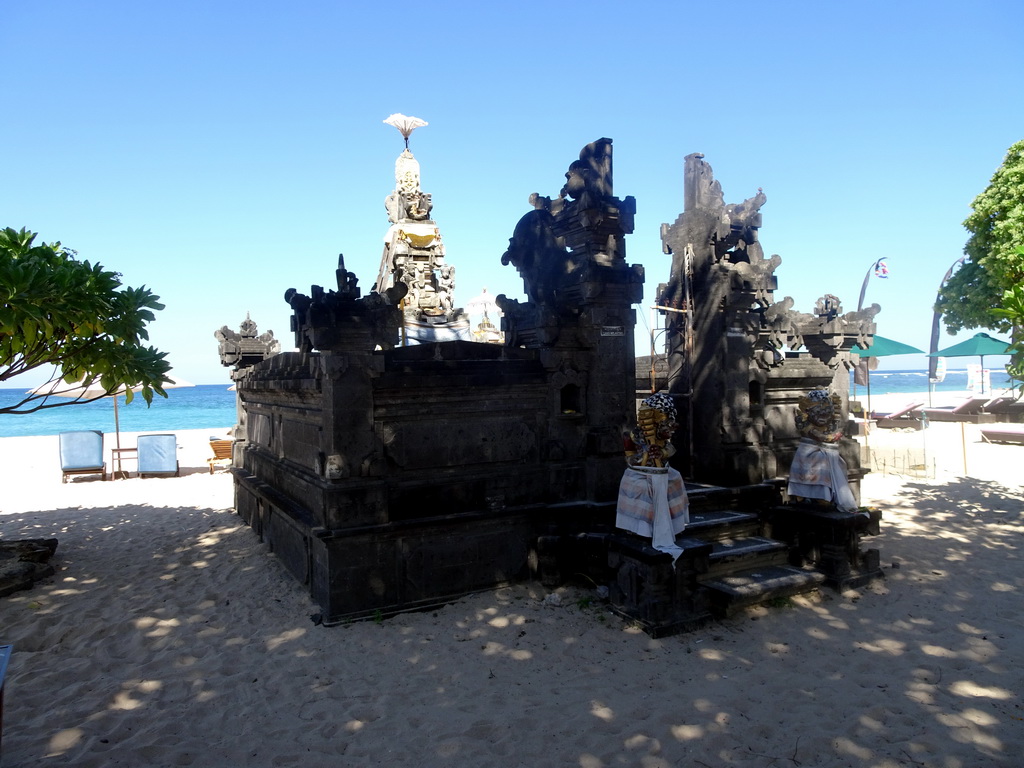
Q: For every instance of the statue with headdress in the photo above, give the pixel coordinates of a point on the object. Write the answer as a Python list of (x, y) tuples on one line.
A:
[(652, 496), (818, 471)]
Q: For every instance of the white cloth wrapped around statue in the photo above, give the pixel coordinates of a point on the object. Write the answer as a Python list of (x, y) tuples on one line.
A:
[(652, 496), (653, 503), (818, 471)]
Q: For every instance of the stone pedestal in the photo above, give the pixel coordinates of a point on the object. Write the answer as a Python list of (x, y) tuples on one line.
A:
[(830, 541)]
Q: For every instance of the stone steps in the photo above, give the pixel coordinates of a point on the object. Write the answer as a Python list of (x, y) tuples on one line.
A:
[(732, 558), (742, 547), (730, 555), (740, 589), (716, 524)]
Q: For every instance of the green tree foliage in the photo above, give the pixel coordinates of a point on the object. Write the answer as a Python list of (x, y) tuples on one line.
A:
[(995, 263), (1012, 311), (75, 316)]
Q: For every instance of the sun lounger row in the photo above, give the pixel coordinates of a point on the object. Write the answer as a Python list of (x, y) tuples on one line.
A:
[(1006, 409), (975, 410), (81, 453), (981, 410)]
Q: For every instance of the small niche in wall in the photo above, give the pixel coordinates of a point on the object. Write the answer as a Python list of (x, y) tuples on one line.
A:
[(570, 399), (755, 392)]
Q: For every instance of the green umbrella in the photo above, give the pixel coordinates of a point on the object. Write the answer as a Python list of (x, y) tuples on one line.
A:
[(979, 344), (883, 347)]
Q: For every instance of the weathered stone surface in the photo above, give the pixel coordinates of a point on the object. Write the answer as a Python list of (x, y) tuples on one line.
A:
[(414, 256), (389, 476), (732, 366)]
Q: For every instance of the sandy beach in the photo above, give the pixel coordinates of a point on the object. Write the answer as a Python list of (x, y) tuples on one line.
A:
[(170, 636)]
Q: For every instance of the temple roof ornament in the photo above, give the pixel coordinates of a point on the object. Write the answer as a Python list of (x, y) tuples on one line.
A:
[(243, 347)]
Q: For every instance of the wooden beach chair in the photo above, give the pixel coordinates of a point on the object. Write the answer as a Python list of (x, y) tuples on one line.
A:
[(906, 417), (158, 455), (1004, 433), (221, 454), (81, 453), (1006, 409), (971, 411)]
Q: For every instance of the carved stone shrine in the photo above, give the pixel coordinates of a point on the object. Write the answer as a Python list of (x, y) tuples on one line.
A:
[(388, 475)]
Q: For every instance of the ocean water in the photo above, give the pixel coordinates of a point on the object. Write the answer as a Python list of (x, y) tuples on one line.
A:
[(906, 382), (213, 406), (209, 406)]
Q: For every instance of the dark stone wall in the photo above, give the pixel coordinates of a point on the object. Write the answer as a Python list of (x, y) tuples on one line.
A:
[(389, 477), (451, 452)]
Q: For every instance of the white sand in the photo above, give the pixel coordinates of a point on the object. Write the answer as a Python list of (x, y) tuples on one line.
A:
[(171, 637)]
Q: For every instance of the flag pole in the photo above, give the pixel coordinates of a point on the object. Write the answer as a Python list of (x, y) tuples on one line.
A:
[(933, 346), (878, 268)]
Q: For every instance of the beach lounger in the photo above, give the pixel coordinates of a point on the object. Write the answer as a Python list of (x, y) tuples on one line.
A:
[(81, 453), (1006, 409), (221, 453), (1006, 433), (971, 411), (158, 455), (907, 417)]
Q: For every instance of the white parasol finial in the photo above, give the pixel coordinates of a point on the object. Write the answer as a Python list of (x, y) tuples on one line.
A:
[(405, 125)]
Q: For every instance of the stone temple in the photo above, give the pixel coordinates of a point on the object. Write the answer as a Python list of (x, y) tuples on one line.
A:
[(392, 464)]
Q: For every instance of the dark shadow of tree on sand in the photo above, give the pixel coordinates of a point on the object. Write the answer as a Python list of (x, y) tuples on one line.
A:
[(918, 671)]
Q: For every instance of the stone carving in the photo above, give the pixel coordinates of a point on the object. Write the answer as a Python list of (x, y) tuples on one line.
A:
[(652, 498), (648, 444), (733, 350), (414, 254), (408, 201), (564, 241), (348, 283), (818, 471), (828, 334), (320, 320), (538, 254), (446, 287), (728, 234), (244, 348)]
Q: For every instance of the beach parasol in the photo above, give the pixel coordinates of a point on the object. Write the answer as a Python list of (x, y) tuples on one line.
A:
[(883, 347), (76, 391), (979, 345)]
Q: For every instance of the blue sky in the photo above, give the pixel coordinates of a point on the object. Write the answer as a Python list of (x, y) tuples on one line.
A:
[(223, 152)]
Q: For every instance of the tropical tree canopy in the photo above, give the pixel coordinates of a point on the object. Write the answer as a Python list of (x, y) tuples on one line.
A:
[(995, 263), (75, 316), (1012, 311)]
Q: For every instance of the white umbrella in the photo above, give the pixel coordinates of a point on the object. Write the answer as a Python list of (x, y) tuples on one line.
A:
[(483, 304), (94, 390)]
